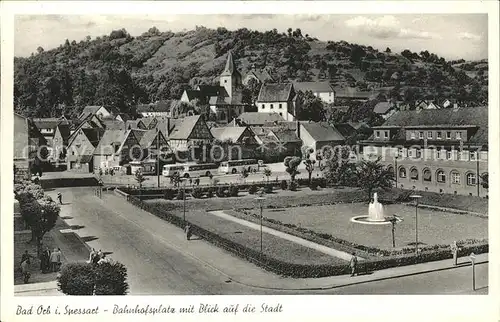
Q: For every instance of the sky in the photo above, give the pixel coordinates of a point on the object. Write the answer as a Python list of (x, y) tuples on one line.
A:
[(451, 36)]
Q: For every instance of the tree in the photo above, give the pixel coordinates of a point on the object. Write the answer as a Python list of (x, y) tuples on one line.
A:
[(312, 108), (388, 50), (373, 175), (338, 170), (253, 87), (291, 164), (289, 31), (40, 49), (40, 214), (310, 168)]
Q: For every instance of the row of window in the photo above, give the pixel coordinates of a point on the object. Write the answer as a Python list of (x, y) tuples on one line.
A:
[(471, 177), (443, 154), (439, 135), (271, 106)]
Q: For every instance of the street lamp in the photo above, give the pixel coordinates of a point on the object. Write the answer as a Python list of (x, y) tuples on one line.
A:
[(184, 200), (260, 198), (416, 198), (393, 221)]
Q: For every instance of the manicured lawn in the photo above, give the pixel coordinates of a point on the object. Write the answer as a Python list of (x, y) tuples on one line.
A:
[(276, 247), (434, 227)]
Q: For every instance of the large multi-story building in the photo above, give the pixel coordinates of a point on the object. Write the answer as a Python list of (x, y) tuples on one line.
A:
[(438, 150)]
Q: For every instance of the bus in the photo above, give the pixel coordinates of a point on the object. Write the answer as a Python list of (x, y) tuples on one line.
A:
[(235, 166), (199, 170), (189, 170), (171, 169)]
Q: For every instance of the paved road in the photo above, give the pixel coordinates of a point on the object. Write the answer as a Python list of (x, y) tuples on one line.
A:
[(153, 252)]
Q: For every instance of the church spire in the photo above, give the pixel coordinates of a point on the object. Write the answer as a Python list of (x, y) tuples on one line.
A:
[(230, 65)]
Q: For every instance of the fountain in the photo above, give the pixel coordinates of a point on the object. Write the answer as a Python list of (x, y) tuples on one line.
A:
[(375, 214)]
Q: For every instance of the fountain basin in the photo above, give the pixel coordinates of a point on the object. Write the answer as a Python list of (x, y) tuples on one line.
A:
[(367, 220)]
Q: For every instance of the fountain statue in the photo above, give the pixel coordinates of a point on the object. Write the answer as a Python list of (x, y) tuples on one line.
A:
[(376, 214), (375, 210)]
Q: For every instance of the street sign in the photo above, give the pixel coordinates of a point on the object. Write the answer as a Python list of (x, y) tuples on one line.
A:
[(472, 258)]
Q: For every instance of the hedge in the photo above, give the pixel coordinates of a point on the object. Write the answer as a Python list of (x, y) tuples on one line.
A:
[(301, 270), (68, 182)]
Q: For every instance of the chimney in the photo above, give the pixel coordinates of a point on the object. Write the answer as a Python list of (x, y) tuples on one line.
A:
[(297, 129)]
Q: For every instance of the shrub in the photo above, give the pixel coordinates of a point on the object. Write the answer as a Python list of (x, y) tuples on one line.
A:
[(292, 186), (210, 192), (111, 279), (197, 193), (180, 194), (268, 188), (233, 191), (252, 189), (313, 185), (283, 185), (221, 192), (169, 194), (76, 279)]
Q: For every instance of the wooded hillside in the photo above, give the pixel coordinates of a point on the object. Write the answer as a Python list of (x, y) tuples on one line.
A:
[(120, 71)]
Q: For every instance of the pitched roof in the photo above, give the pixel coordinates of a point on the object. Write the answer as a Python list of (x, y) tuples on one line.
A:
[(230, 68), (89, 110), (192, 94), (94, 135), (209, 90), (124, 117), (134, 124), (110, 138), (352, 92), (232, 133), (262, 75), (49, 122), (382, 107), (183, 130), (160, 106), (322, 132), (113, 124), (64, 129), (315, 87), (275, 92), (259, 118), (465, 116), (148, 120), (286, 136), (147, 138)]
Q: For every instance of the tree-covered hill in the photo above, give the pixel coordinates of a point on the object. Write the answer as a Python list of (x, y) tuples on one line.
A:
[(120, 71)]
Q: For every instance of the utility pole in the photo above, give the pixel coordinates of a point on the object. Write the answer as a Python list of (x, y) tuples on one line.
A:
[(158, 154)]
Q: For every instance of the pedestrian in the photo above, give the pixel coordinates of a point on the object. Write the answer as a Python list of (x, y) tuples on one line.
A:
[(59, 197), (354, 264), (25, 270), (25, 256), (103, 259), (53, 260), (454, 251), (91, 255), (59, 259), (188, 231), (95, 258), (44, 260)]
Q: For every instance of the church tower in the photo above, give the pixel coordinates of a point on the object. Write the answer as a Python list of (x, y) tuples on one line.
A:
[(230, 78)]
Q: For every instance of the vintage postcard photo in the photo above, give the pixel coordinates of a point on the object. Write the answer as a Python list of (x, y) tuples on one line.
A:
[(274, 153)]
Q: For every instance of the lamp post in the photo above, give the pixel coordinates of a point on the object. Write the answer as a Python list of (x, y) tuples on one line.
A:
[(393, 221), (416, 198), (158, 155), (184, 201), (260, 198), (472, 258), (396, 168)]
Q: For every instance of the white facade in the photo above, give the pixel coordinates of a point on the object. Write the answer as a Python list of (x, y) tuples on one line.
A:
[(281, 108), (327, 97), (159, 114)]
